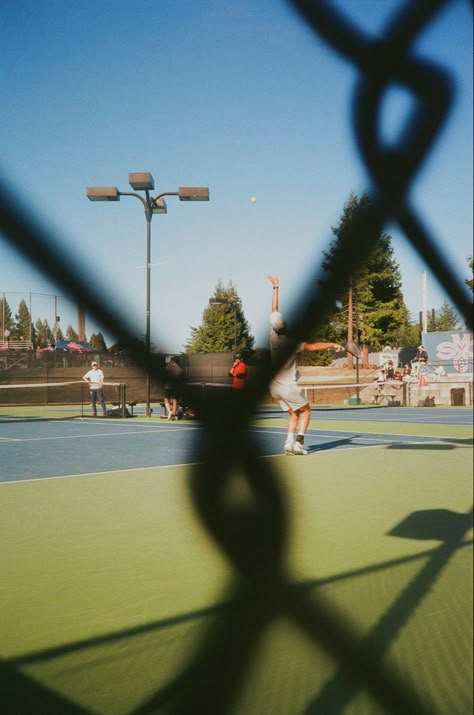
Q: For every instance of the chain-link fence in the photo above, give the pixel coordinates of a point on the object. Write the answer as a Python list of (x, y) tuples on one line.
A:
[(254, 539)]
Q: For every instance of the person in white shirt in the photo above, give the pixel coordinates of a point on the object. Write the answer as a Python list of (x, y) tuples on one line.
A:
[(439, 372), (284, 386), (95, 378)]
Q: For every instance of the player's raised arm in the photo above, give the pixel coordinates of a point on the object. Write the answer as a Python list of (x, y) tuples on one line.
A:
[(276, 285), (313, 347)]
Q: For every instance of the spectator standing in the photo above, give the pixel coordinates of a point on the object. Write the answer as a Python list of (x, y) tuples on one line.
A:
[(390, 374), (173, 383), (95, 378), (238, 371)]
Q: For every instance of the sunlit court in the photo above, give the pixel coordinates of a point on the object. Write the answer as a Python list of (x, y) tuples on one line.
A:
[(236, 358), (110, 580)]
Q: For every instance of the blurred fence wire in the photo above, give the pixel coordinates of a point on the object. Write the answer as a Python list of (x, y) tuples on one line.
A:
[(254, 539)]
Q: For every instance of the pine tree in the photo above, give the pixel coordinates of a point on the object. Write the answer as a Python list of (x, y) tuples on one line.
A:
[(23, 328), (446, 319), (224, 326), (71, 333), (6, 320), (410, 334), (97, 341), (43, 333), (379, 314)]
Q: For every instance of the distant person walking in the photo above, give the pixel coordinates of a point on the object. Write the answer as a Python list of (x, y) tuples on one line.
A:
[(238, 371), (95, 378), (284, 386)]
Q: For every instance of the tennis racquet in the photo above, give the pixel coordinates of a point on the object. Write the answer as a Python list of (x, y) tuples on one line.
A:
[(352, 348)]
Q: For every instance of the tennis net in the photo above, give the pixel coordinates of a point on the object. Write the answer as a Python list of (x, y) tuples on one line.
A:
[(52, 400)]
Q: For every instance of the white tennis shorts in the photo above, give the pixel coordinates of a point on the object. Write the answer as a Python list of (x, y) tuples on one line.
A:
[(289, 396)]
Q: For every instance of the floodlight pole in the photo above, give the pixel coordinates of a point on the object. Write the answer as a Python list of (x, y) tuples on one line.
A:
[(148, 204), (144, 182)]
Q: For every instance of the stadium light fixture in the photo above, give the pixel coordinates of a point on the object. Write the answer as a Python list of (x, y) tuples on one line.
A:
[(143, 181), (159, 206), (103, 193), (193, 193)]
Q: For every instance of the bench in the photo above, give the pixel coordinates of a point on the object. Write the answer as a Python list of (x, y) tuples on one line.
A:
[(130, 404), (16, 345), (379, 397)]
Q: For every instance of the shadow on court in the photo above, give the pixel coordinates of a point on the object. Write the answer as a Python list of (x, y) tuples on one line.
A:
[(23, 696), (332, 444), (434, 524), (441, 445)]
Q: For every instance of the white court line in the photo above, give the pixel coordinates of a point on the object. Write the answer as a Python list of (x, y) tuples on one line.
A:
[(98, 474), (146, 469), (319, 453), (395, 434), (362, 435), (91, 436)]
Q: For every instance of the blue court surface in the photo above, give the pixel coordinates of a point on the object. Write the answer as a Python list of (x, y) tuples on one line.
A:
[(47, 449), (407, 415)]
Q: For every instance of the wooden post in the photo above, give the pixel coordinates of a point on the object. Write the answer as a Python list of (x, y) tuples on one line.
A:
[(81, 320)]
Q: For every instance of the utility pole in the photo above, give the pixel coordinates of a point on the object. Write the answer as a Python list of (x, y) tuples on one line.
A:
[(350, 331), (81, 320), (425, 304)]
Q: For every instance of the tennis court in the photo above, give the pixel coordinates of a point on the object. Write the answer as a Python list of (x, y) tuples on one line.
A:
[(110, 580)]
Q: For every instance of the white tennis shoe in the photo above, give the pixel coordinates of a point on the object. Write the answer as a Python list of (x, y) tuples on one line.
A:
[(289, 447), (299, 448)]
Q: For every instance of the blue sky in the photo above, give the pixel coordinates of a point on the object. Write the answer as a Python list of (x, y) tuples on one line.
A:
[(241, 97)]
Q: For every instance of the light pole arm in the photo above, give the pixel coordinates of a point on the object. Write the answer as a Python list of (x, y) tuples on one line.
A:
[(147, 202), (132, 193), (154, 200)]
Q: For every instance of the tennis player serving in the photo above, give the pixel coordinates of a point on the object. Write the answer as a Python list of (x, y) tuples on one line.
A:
[(284, 386)]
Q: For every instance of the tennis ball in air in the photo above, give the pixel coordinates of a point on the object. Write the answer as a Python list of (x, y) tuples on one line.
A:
[(253, 200)]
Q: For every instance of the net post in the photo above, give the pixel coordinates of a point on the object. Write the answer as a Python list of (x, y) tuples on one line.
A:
[(123, 390)]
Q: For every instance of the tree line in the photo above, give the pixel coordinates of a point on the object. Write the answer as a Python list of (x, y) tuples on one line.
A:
[(39, 333), (373, 309)]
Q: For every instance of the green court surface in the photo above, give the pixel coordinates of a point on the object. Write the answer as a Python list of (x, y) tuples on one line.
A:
[(109, 581)]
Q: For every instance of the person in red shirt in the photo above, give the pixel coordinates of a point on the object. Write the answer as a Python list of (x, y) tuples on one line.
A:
[(238, 372)]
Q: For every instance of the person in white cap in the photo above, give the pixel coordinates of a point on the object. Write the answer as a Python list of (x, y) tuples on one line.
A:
[(420, 359), (95, 378), (284, 386)]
